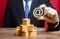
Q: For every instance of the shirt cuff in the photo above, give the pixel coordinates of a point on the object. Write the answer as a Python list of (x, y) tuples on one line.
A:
[(56, 24)]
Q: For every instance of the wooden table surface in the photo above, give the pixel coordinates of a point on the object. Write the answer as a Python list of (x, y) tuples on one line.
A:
[(9, 33)]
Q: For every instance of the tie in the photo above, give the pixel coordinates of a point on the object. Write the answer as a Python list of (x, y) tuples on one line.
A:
[(26, 9)]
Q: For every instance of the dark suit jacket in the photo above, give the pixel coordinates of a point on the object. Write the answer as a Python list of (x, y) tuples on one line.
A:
[(15, 13)]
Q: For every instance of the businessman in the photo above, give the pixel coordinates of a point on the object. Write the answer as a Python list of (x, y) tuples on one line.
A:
[(18, 9)]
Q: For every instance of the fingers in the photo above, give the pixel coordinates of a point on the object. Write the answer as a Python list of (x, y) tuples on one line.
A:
[(42, 6), (49, 12)]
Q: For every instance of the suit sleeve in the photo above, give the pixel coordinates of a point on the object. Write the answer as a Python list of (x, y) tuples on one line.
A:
[(8, 17), (52, 26)]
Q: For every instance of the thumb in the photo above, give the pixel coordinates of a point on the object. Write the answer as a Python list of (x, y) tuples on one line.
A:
[(41, 18)]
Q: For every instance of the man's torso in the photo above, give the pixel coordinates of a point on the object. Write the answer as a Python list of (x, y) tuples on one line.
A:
[(15, 13)]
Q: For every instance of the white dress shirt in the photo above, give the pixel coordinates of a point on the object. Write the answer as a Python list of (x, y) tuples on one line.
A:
[(29, 4)]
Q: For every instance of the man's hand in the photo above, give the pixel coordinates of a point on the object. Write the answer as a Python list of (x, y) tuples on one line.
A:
[(50, 14)]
